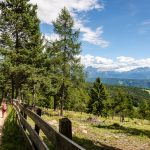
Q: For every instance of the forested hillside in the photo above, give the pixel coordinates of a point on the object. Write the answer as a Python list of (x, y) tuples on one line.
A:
[(49, 74), (124, 82), (136, 94)]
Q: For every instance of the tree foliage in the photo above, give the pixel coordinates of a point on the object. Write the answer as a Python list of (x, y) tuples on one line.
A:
[(51, 73), (21, 46), (98, 98), (64, 52)]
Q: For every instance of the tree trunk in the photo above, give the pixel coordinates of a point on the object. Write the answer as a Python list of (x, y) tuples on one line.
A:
[(113, 115), (55, 102), (12, 88), (33, 95), (122, 118), (62, 99), (64, 74), (2, 93), (22, 97), (61, 107), (17, 92)]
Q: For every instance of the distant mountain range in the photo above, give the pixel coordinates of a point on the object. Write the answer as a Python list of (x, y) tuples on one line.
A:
[(139, 73), (139, 77)]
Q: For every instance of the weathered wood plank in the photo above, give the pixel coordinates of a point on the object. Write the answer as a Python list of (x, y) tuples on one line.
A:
[(35, 138), (30, 144), (40, 145), (60, 141)]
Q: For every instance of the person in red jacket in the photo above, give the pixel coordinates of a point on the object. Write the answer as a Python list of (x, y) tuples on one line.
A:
[(4, 108)]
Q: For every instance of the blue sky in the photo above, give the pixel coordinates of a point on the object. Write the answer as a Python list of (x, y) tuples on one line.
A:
[(125, 27), (115, 34)]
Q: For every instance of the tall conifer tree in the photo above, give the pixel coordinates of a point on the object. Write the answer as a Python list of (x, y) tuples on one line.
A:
[(21, 43), (66, 50), (98, 98)]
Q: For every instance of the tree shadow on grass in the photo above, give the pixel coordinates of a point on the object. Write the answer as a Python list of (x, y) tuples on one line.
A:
[(12, 138), (127, 130), (90, 145), (85, 143), (48, 143)]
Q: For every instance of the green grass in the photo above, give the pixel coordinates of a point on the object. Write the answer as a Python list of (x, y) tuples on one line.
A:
[(102, 135), (12, 138), (107, 133), (42, 135), (12, 135)]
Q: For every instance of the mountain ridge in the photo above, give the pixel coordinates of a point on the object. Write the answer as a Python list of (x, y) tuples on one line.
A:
[(139, 77), (140, 73)]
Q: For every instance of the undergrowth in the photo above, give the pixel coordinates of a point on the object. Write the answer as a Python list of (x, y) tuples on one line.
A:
[(12, 138)]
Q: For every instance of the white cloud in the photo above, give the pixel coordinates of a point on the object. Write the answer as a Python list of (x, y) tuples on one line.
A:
[(87, 60), (143, 62), (127, 60), (96, 62), (48, 11), (51, 37), (120, 64), (101, 60), (94, 37), (125, 68)]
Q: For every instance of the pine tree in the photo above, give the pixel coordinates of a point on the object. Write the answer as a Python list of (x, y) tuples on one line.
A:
[(124, 106), (21, 44), (98, 99), (65, 51), (143, 109), (4, 80)]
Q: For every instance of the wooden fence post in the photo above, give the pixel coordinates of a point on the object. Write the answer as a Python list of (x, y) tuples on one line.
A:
[(65, 127), (21, 112), (24, 115), (38, 112)]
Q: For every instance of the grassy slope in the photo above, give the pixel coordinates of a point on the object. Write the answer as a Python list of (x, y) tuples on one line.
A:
[(107, 134), (12, 137)]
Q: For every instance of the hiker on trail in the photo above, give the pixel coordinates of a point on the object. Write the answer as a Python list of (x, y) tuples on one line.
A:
[(4, 108)]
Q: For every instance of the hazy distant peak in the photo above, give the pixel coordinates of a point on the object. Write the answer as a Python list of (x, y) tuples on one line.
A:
[(138, 73)]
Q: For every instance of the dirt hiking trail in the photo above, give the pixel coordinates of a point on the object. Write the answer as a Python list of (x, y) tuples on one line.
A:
[(1, 125)]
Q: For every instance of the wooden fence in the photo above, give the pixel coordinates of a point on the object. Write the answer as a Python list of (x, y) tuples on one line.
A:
[(59, 141)]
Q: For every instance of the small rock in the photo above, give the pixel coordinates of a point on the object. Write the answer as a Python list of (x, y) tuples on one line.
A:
[(82, 127), (93, 120), (52, 122), (117, 137), (84, 131)]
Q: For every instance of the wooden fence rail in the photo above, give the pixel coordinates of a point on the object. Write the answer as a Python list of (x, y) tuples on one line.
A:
[(60, 141)]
